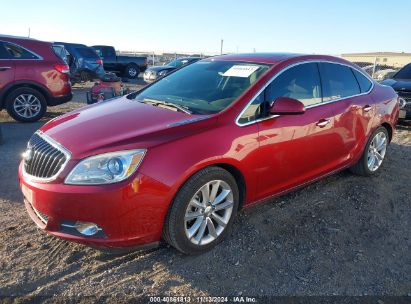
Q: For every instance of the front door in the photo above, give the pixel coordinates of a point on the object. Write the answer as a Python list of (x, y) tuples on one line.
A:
[(296, 148)]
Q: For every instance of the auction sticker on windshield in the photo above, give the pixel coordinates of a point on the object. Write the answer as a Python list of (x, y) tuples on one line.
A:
[(241, 70)]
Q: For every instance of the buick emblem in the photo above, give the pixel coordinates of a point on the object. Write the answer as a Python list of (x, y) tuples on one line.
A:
[(28, 155)]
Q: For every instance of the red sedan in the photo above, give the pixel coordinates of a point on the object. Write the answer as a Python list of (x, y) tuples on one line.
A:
[(178, 159)]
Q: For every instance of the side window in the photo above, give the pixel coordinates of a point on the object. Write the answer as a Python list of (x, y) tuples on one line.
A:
[(338, 81), (3, 52), (17, 52), (253, 111), (301, 82), (364, 82)]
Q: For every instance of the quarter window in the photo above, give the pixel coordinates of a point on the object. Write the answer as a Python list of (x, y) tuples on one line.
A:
[(17, 52), (301, 82), (338, 81), (364, 82)]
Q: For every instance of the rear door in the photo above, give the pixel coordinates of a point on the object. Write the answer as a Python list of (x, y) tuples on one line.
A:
[(296, 148), (346, 89), (7, 68)]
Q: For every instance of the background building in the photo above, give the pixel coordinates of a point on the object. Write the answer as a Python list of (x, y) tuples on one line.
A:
[(389, 59)]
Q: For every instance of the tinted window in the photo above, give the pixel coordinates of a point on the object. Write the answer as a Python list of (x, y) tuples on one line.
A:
[(301, 82), (338, 81), (17, 52), (254, 110), (364, 82), (404, 73), (86, 52), (60, 51), (3, 52), (108, 52)]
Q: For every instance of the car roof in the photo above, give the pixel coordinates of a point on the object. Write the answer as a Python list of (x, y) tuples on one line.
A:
[(273, 58), (71, 44)]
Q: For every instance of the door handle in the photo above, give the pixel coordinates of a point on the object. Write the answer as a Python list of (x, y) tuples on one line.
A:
[(4, 68), (323, 122), (367, 108)]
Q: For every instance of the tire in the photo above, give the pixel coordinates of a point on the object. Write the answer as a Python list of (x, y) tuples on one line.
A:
[(132, 71), (85, 76), (177, 228), (26, 104), (362, 167)]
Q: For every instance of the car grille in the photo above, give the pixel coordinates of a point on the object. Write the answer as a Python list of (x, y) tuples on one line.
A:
[(44, 159)]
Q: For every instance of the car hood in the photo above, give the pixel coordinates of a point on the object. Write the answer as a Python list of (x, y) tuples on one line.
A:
[(398, 84), (160, 68), (121, 124)]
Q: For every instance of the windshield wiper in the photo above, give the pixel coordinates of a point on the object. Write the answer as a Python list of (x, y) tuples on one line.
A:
[(166, 104)]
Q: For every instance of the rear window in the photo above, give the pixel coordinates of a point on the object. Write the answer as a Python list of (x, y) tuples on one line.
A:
[(87, 53), (60, 51), (364, 82), (18, 52)]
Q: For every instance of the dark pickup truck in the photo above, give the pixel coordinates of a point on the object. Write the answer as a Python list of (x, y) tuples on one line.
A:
[(128, 66)]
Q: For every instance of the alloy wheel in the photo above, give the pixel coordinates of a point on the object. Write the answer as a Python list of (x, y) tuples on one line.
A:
[(209, 212), (376, 151), (27, 105), (132, 72)]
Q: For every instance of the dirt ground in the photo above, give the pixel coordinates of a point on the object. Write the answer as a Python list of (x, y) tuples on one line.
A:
[(345, 235)]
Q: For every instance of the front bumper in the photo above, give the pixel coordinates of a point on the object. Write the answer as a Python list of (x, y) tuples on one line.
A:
[(149, 77), (131, 214)]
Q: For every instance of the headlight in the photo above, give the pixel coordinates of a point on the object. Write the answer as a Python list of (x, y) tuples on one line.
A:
[(162, 73), (106, 168)]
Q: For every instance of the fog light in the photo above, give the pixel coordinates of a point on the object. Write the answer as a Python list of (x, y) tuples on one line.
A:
[(87, 228)]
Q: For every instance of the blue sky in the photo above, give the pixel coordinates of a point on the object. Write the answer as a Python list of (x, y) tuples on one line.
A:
[(310, 26)]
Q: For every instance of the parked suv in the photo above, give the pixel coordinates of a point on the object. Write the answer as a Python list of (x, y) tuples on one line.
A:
[(32, 77)]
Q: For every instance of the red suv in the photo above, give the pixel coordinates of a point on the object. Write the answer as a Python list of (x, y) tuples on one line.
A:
[(32, 77), (177, 159)]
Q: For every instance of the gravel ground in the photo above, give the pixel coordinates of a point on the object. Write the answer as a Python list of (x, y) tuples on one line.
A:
[(345, 235)]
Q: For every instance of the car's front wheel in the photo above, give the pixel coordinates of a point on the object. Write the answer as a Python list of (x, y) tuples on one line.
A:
[(374, 153), (202, 212)]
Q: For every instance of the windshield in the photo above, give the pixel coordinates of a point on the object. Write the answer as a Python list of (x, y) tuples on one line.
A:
[(404, 73), (205, 87), (177, 63)]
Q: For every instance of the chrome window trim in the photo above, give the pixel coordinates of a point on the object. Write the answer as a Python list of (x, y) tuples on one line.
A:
[(59, 147), (31, 52), (311, 106)]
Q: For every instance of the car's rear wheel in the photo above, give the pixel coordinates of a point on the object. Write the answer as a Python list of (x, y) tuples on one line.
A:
[(26, 104), (374, 153), (132, 71), (202, 212)]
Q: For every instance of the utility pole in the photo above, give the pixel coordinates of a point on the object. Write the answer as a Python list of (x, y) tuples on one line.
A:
[(221, 47), (29, 33)]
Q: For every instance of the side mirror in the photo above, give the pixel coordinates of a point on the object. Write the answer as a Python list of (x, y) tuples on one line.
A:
[(287, 106)]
